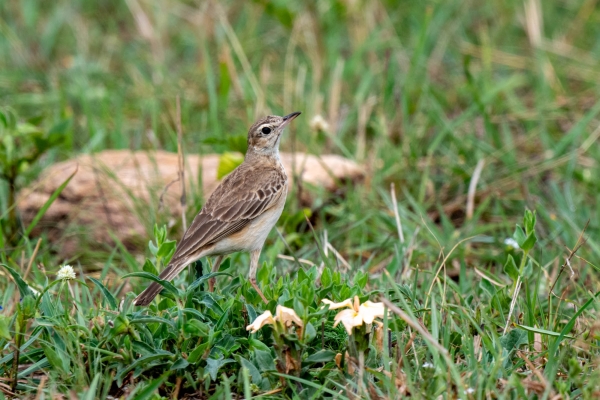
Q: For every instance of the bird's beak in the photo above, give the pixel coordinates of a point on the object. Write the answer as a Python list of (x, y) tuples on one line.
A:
[(288, 118)]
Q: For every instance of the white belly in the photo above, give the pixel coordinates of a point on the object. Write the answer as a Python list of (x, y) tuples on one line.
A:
[(253, 236)]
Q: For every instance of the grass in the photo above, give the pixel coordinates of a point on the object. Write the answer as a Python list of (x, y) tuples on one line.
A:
[(424, 95)]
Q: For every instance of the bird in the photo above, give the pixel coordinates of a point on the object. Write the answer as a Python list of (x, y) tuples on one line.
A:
[(241, 211)]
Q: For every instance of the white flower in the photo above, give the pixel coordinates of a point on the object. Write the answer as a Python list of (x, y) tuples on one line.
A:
[(287, 316), (65, 273), (335, 306), (357, 314), (470, 390), (318, 123), (265, 318), (510, 242), (428, 365), (284, 315)]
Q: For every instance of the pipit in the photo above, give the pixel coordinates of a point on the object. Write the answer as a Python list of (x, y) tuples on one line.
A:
[(241, 211)]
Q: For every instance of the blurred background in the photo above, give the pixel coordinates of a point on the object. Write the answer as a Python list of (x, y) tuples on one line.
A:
[(431, 96)]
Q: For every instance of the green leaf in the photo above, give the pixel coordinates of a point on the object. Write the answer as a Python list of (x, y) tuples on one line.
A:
[(321, 356), (264, 360), (256, 344), (165, 284), (120, 325), (326, 277), (58, 362), (529, 242), (179, 364), (529, 222), (4, 327), (360, 279), (510, 268), (148, 391), (107, 295), (519, 235), (198, 352), (195, 328), (309, 333), (166, 250), (90, 394), (543, 331), (140, 362), (213, 366), (150, 320), (514, 339), (24, 288), (487, 287), (315, 385), (150, 267), (254, 372), (227, 163)]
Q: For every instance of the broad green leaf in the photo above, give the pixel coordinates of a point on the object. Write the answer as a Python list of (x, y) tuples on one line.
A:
[(24, 288), (321, 356), (510, 268), (112, 302), (309, 333), (60, 362), (514, 339), (181, 363), (213, 366), (166, 250), (519, 235), (150, 267), (254, 372), (264, 360), (529, 242), (4, 327), (198, 352)]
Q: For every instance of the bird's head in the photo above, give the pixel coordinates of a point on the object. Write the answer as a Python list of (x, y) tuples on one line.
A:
[(264, 135)]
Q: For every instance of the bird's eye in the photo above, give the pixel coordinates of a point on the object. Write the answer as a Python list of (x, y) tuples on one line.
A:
[(266, 130)]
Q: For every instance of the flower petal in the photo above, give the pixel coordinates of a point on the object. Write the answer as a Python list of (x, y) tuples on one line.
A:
[(335, 306), (369, 311), (287, 316), (265, 318), (349, 318)]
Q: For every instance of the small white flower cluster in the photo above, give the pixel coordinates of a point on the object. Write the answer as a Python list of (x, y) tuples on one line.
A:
[(318, 123), (65, 273), (510, 242)]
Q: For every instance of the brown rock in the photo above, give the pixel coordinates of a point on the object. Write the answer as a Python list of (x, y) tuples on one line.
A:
[(118, 192)]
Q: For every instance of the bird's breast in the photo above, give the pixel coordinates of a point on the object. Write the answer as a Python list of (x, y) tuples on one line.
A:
[(252, 236)]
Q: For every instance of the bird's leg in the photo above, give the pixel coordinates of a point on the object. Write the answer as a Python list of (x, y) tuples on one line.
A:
[(253, 268), (215, 268)]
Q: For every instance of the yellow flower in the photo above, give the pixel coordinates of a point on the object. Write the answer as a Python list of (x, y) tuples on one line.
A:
[(285, 316), (357, 314)]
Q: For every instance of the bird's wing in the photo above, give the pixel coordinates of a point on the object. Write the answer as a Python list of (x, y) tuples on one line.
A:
[(242, 196)]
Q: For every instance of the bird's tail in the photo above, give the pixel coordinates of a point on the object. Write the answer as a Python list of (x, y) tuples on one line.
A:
[(167, 274)]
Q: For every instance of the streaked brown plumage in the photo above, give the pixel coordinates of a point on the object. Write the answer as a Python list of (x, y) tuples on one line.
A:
[(241, 211)]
